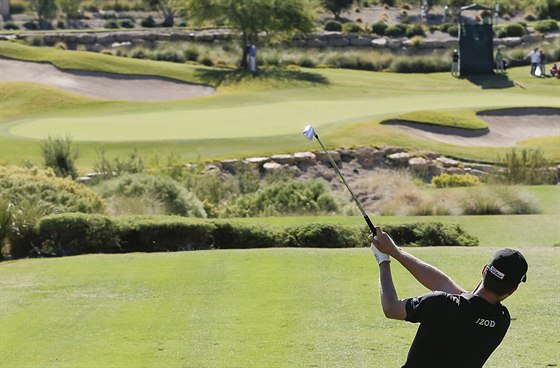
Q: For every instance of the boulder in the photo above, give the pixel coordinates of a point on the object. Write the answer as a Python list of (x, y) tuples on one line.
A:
[(419, 164), (256, 161), (271, 166), (379, 43), (447, 162), (323, 158), (361, 41), (306, 158), (399, 158), (283, 159)]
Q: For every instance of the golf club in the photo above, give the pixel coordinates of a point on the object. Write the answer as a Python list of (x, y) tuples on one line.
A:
[(309, 133)]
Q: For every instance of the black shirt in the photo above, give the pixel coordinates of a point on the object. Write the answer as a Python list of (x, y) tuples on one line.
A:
[(456, 331)]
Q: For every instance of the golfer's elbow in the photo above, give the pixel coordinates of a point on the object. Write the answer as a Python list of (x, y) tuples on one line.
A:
[(394, 309)]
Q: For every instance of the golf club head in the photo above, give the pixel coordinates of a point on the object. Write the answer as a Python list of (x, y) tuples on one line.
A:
[(309, 132)]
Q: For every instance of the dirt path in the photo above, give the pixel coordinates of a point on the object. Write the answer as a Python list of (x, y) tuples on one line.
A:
[(505, 128), (101, 85)]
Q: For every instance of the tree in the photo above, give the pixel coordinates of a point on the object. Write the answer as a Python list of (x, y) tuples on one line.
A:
[(46, 11), (169, 9), (337, 6), (6, 16), (251, 17), (71, 8)]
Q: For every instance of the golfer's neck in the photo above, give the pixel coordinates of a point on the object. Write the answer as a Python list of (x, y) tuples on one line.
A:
[(487, 295)]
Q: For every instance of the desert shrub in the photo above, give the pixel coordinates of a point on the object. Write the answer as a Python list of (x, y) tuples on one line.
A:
[(322, 236), (57, 194), (548, 9), (148, 22), (22, 235), (444, 27), (396, 30), (206, 61), (454, 180), (6, 213), (293, 197), (453, 30), (163, 233), (59, 155), (108, 168), (524, 167), (156, 190), (111, 24), (379, 28), (191, 53), (414, 30), (498, 200), (31, 26), (10, 26), (544, 26), (514, 30), (169, 54), (412, 201), (126, 23), (77, 233), (235, 235), (530, 17), (351, 27), (139, 53), (419, 64), (333, 26)]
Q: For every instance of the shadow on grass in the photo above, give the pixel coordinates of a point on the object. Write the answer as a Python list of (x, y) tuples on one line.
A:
[(226, 77), (490, 81)]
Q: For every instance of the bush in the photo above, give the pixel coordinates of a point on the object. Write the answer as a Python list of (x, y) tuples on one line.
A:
[(163, 233), (351, 28), (445, 27), (293, 197), (234, 235), (6, 209), (106, 168), (333, 26), (525, 167), (323, 236), (453, 30), (31, 26), (430, 234), (77, 233), (544, 26), (148, 22), (10, 26), (414, 30), (454, 180), (396, 30), (111, 24), (548, 9), (156, 191), (379, 28), (126, 23), (59, 155), (191, 53), (498, 200), (419, 64), (514, 30)]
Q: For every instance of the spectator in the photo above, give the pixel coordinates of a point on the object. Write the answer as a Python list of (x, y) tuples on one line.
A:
[(555, 71), (253, 59), (455, 63), (542, 62), (534, 56), (500, 62)]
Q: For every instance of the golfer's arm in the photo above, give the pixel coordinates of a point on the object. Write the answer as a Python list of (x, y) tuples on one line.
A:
[(392, 306), (427, 275)]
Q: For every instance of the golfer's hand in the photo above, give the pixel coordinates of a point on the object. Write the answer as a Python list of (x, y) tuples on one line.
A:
[(384, 243)]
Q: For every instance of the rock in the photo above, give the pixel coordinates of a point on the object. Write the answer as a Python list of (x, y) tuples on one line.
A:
[(447, 162), (347, 155), (316, 43), (229, 165), (379, 43), (368, 156), (283, 159), (339, 42), (511, 41), (123, 37), (394, 43), (454, 170), (361, 42), (256, 161), (418, 164), (399, 157), (271, 166), (106, 39), (323, 158), (307, 158)]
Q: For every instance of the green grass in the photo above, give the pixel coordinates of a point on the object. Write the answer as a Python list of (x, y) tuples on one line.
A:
[(256, 308), (456, 119), (252, 116)]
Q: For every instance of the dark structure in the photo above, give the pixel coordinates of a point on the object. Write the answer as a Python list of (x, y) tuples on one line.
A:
[(476, 43)]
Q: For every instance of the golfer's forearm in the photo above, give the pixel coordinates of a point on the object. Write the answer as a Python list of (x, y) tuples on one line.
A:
[(392, 306), (427, 275)]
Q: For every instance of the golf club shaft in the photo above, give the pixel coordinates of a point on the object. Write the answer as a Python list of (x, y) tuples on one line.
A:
[(335, 166)]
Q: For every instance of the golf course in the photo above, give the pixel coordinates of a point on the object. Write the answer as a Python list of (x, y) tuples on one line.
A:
[(274, 307)]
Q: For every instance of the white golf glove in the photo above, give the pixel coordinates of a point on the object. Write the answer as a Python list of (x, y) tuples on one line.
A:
[(379, 256)]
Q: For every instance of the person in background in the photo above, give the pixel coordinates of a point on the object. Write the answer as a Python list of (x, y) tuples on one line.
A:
[(455, 63), (500, 62), (534, 56)]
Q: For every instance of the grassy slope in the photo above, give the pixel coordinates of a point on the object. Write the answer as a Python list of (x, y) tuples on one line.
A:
[(254, 116)]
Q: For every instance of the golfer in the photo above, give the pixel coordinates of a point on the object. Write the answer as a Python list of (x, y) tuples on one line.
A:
[(457, 329)]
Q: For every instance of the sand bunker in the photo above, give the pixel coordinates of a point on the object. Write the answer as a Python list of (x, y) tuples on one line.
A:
[(505, 127), (101, 85)]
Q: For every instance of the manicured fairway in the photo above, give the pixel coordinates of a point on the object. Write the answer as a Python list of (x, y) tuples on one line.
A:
[(255, 308), (254, 116)]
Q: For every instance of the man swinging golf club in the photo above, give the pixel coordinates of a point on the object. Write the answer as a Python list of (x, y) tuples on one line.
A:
[(457, 329)]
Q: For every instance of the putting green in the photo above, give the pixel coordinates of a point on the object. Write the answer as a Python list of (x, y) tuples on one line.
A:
[(264, 118)]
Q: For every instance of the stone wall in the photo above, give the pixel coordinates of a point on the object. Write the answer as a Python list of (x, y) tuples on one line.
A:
[(96, 41)]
